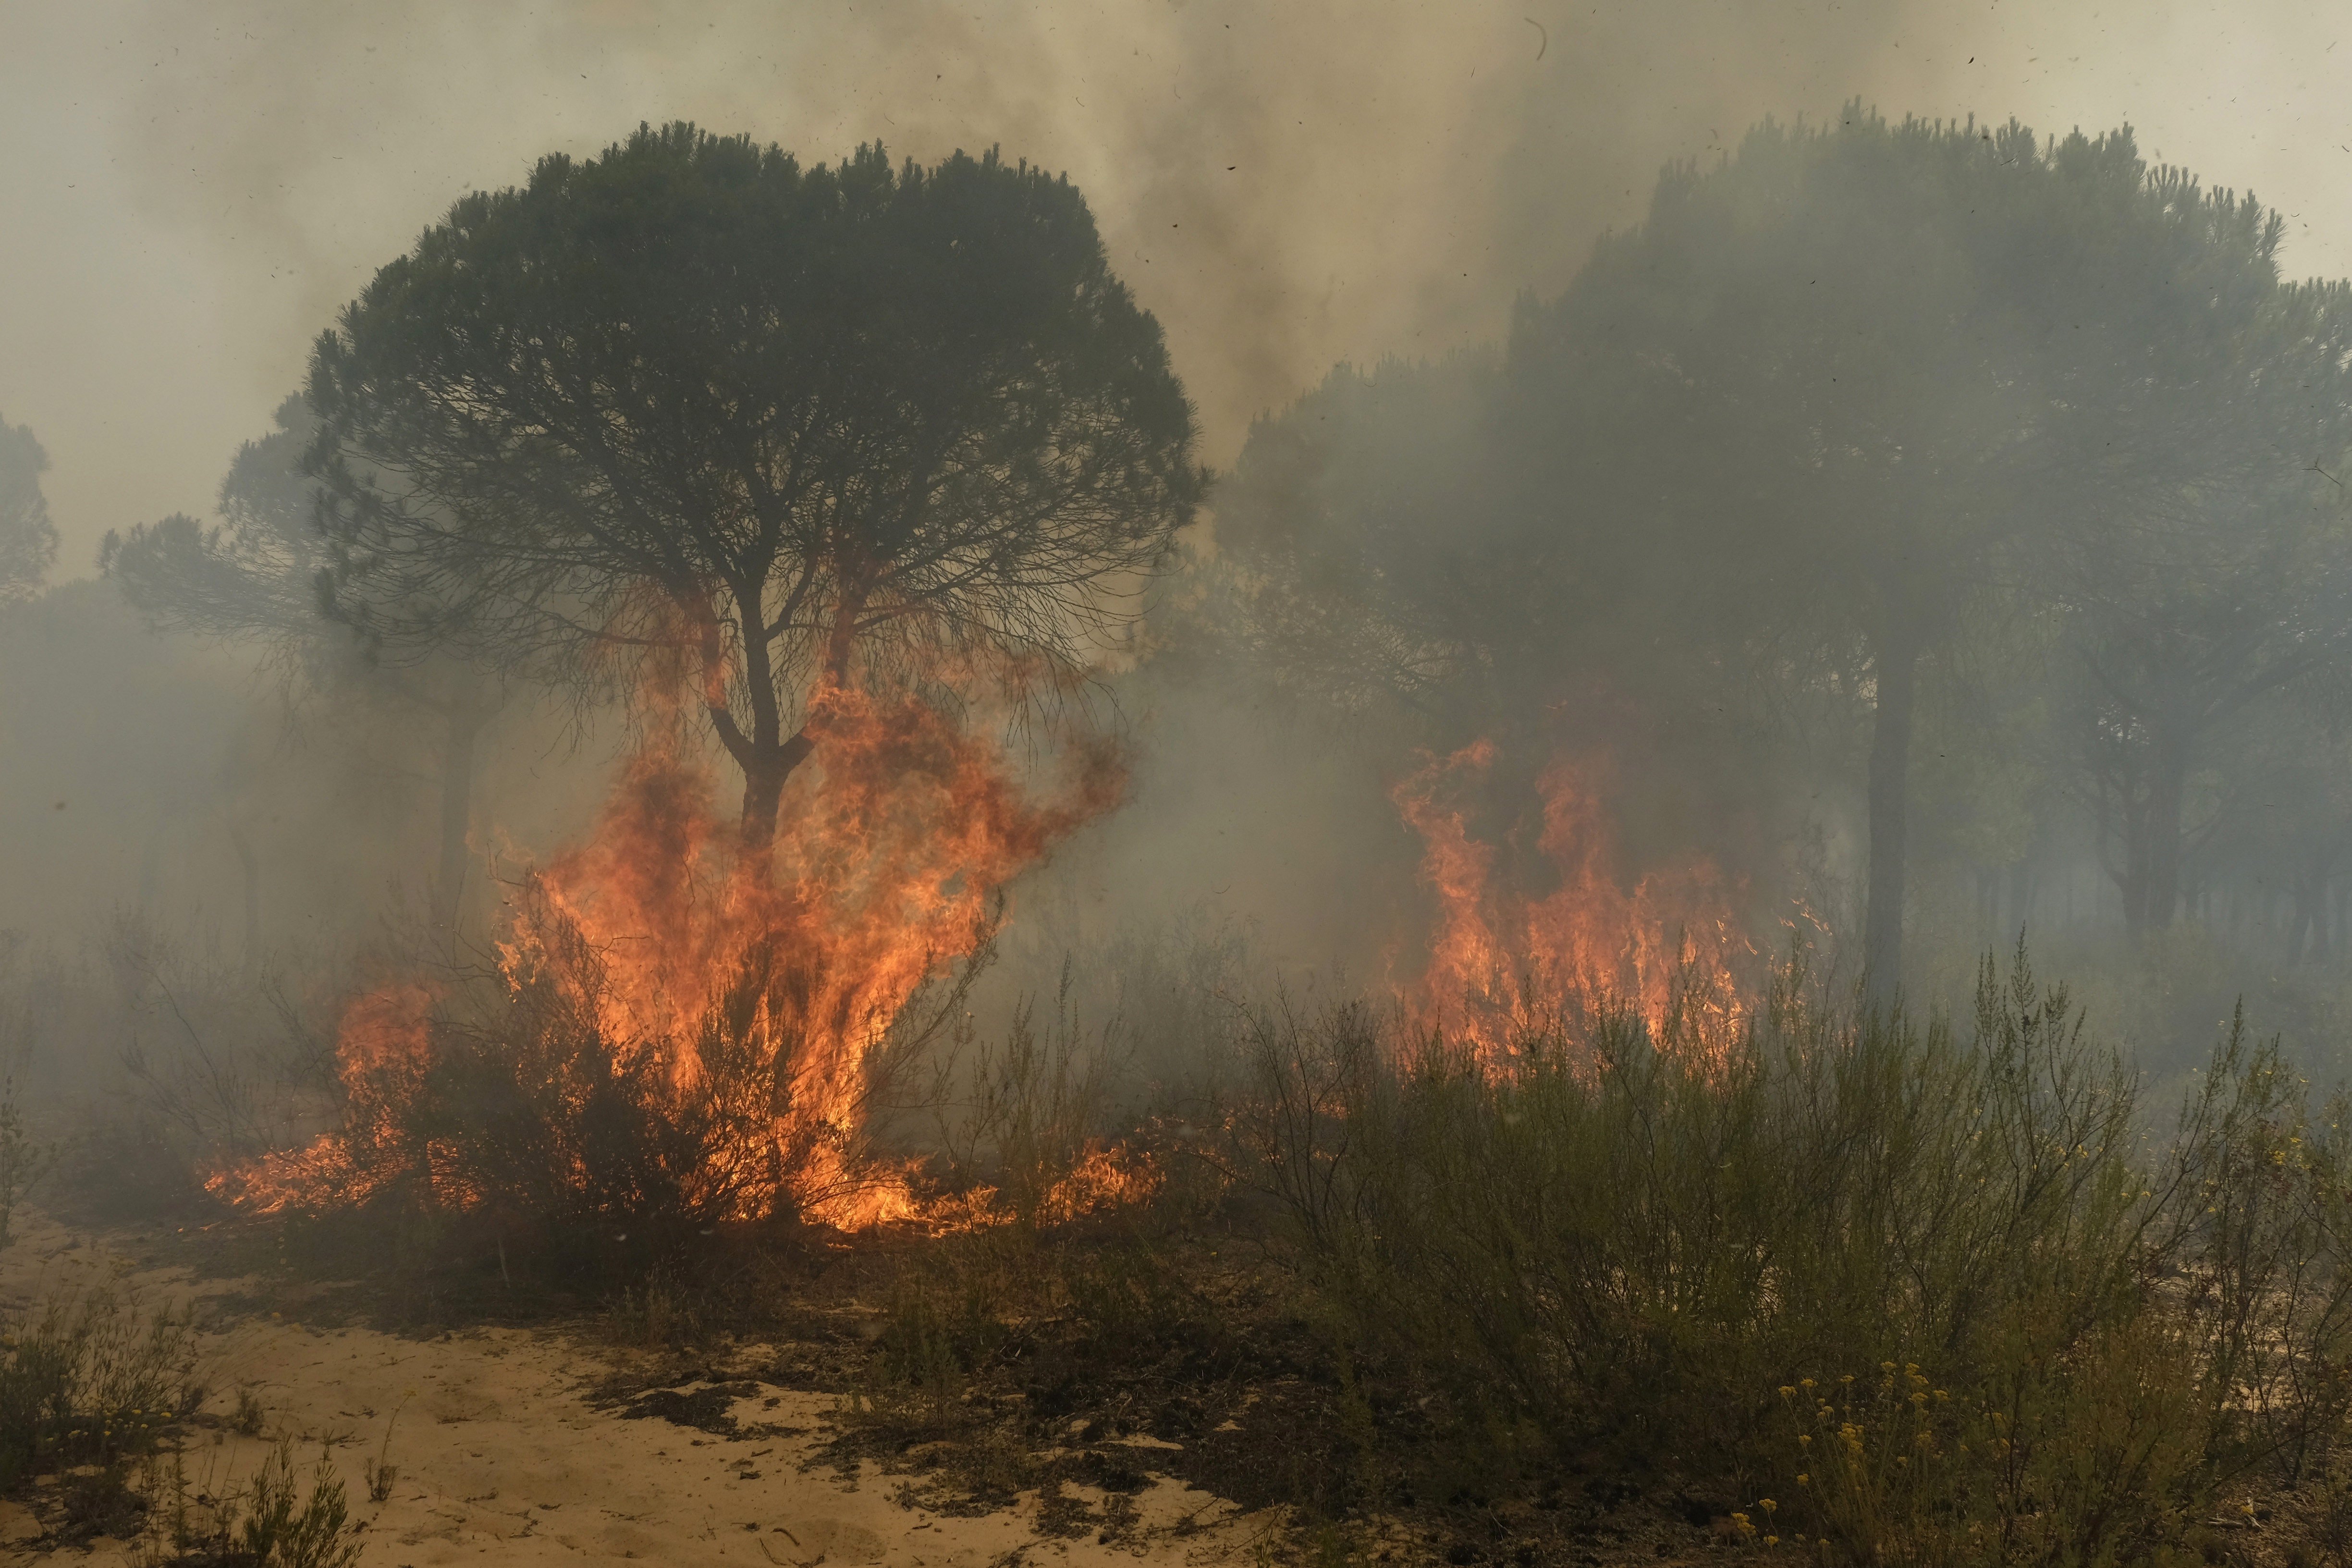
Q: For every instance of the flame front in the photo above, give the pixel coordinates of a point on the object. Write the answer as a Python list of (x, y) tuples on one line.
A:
[(1504, 963), (738, 997)]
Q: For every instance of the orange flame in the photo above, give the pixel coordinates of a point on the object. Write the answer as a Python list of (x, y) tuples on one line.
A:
[(1106, 1177), (383, 1050), (795, 962), (1503, 963)]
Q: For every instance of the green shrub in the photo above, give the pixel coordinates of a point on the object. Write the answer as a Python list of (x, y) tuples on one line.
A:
[(1950, 1281), (284, 1528), (276, 1521), (89, 1380)]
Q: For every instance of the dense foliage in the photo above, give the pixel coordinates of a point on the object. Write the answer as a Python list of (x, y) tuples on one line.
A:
[(1936, 1294), (805, 426)]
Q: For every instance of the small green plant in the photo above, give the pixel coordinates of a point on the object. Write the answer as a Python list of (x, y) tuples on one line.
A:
[(657, 1315), (382, 1474), (931, 1341), (274, 1521), (381, 1477), (1121, 1292), (98, 1501), (282, 1532), (246, 1420), (91, 1378)]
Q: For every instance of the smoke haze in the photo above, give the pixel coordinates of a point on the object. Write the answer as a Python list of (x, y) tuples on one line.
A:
[(199, 186)]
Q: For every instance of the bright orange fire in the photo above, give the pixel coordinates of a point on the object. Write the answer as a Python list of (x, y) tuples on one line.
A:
[(383, 1049), (1503, 963), (1104, 1177), (786, 968)]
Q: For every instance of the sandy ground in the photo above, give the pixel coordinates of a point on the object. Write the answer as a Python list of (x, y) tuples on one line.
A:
[(502, 1457)]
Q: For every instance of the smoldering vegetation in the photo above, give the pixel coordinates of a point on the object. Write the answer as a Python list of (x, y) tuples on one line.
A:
[(1485, 978)]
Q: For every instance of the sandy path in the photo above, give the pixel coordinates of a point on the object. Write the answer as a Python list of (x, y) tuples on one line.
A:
[(503, 1459)]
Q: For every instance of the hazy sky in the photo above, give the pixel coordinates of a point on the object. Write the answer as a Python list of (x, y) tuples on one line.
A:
[(193, 186)]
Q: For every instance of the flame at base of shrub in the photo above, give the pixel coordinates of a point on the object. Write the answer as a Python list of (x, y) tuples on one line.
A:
[(1106, 1177), (682, 1031), (1504, 964)]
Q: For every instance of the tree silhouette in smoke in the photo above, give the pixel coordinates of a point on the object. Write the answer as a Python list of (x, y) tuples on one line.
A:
[(28, 540), (1843, 398), (2218, 605), (809, 429), (1879, 370), (254, 576)]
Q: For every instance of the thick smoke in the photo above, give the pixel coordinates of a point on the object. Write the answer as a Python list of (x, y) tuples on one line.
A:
[(1286, 186)]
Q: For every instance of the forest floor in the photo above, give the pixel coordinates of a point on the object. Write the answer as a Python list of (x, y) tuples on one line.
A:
[(541, 1443), (893, 1410)]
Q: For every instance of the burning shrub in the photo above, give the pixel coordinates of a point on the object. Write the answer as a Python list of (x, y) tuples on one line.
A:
[(743, 1114), (531, 1107), (680, 1031), (1034, 1145), (1504, 959)]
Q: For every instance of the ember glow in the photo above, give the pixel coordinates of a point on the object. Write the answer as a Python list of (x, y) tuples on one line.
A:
[(740, 997), (1504, 961)]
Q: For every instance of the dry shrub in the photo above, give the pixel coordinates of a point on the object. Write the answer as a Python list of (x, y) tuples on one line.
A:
[(1949, 1281), (134, 1059), (275, 1521), (660, 1313), (23, 1159), (1032, 1105), (220, 1056), (90, 1378)]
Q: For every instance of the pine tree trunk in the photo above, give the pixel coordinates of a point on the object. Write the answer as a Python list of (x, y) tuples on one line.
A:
[(2161, 889), (763, 787)]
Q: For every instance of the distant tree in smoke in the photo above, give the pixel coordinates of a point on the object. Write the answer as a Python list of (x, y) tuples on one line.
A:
[(257, 576), (801, 426), (1364, 520), (253, 575), (2269, 814), (2191, 604), (28, 540), (1838, 397), (1880, 372), (1385, 557)]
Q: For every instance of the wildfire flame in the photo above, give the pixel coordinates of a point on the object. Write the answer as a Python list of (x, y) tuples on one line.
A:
[(1503, 963), (746, 992), (1105, 1176)]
